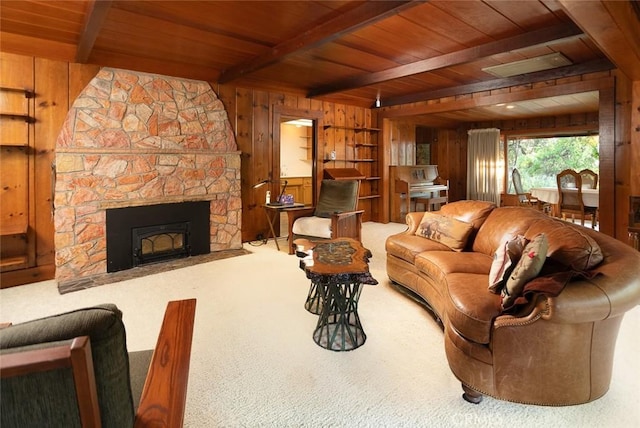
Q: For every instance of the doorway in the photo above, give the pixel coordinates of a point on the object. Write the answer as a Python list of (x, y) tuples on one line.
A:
[(295, 135)]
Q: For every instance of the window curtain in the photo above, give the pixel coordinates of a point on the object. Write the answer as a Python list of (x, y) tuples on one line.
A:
[(482, 165)]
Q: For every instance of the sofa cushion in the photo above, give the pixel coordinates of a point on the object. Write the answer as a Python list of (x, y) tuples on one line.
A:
[(439, 264), (471, 308), (473, 212), (406, 246), (503, 223), (567, 243), (103, 324), (527, 268), (447, 230), (504, 261)]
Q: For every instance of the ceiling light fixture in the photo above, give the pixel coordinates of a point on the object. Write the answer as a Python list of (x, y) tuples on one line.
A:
[(544, 62), (378, 101)]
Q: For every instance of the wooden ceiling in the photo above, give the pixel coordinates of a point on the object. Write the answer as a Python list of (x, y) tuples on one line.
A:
[(342, 51)]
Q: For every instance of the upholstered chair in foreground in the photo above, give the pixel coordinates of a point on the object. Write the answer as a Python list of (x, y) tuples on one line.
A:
[(73, 370)]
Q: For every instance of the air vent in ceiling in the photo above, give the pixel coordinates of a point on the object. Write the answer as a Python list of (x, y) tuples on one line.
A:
[(545, 62)]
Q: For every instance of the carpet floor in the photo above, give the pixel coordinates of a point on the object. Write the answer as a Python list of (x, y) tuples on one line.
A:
[(254, 363)]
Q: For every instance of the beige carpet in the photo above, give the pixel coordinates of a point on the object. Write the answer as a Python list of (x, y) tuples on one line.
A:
[(254, 363)]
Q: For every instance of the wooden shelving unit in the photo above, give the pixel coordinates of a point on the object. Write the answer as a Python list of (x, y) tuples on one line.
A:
[(16, 250), (365, 154)]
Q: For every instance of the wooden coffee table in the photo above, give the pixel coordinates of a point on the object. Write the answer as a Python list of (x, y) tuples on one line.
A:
[(337, 268)]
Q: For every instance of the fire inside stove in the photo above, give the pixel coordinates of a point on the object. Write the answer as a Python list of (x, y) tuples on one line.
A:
[(158, 243)]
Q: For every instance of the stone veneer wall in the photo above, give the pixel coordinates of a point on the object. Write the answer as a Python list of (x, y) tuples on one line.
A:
[(135, 139)]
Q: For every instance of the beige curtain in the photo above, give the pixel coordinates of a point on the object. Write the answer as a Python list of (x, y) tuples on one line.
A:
[(482, 165)]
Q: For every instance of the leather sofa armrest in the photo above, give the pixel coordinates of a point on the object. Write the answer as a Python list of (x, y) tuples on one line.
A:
[(165, 390), (413, 221)]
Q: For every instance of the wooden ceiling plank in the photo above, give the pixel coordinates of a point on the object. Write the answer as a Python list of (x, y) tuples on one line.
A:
[(356, 18), (537, 37), (614, 35), (96, 15), (541, 76)]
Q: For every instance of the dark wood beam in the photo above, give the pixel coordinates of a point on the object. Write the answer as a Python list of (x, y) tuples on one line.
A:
[(96, 14), (493, 99), (540, 76), (537, 37), (367, 13)]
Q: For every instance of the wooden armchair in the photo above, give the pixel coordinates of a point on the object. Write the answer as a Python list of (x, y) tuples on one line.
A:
[(334, 216), (73, 370), (525, 198)]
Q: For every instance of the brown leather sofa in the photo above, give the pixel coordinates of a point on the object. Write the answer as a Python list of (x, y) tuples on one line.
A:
[(552, 349)]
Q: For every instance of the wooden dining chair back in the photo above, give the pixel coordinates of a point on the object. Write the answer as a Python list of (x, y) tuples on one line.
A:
[(570, 197), (589, 179)]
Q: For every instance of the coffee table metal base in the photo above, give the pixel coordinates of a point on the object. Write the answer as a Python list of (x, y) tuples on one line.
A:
[(339, 327), (315, 299)]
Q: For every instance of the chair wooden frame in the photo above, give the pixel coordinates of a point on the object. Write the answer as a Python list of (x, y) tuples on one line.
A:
[(575, 204), (525, 198), (346, 224), (165, 390), (590, 177)]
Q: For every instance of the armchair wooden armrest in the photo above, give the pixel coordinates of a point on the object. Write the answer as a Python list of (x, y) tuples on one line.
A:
[(165, 389), (347, 225)]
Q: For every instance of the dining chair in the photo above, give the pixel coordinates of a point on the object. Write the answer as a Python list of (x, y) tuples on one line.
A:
[(570, 198), (589, 179), (525, 198)]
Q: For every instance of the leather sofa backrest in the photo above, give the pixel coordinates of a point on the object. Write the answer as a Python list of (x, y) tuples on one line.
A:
[(503, 223), (474, 212)]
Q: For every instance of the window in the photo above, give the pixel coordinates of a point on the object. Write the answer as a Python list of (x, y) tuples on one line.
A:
[(539, 159)]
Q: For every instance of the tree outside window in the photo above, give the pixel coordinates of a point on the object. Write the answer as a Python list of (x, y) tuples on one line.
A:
[(539, 159)]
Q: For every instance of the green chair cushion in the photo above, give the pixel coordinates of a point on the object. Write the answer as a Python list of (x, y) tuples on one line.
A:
[(337, 196)]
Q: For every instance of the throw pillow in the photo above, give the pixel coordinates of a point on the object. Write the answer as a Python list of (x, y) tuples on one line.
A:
[(446, 230), (528, 267), (504, 261)]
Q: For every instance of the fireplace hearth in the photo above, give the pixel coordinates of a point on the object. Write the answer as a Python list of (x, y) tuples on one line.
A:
[(156, 233)]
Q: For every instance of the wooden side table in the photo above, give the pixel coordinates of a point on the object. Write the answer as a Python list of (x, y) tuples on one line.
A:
[(337, 269), (272, 211)]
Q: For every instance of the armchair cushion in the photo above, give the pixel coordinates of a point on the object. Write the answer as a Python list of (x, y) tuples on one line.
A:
[(313, 226), (103, 324), (337, 196)]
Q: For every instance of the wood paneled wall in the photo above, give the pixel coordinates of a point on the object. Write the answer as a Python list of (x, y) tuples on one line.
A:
[(251, 113), (56, 84)]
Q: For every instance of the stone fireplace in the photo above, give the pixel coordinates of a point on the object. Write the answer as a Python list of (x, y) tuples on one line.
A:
[(136, 140)]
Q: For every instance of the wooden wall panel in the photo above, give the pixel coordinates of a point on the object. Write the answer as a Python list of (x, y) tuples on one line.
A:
[(52, 105)]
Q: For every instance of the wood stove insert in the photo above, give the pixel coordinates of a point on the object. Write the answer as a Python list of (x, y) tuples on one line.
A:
[(155, 233)]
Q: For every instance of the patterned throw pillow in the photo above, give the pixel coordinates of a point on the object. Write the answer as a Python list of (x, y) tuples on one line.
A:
[(504, 261), (528, 267), (446, 230)]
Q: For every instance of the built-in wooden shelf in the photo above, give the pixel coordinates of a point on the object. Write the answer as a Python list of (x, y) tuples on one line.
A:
[(27, 93), (13, 263), (17, 116), (13, 229), (366, 145), (350, 128), (369, 197)]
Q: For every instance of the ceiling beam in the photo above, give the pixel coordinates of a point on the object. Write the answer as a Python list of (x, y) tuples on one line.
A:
[(367, 13), (537, 37), (96, 14), (493, 99), (614, 26), (490, 85)]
